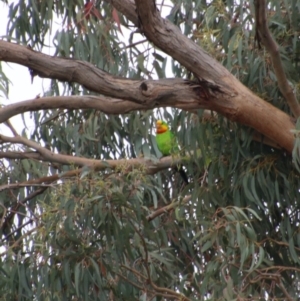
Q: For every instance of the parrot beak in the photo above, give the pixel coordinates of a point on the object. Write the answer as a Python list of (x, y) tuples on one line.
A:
[(158, 125)]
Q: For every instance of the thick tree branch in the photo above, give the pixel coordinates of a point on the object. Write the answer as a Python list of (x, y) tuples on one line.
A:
[(166, 36), (241, 106), (105, 104), (265, 37), (127, 8), (213, 117), (236, 102), (71, 70), (147, 93)]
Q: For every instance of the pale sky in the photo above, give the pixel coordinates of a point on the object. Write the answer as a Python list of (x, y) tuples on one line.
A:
[(21, 87)]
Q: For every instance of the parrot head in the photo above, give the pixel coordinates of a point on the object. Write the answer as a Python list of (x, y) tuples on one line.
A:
[(161, 127)]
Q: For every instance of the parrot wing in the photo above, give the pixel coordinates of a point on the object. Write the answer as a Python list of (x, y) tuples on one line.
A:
[(168, 145)]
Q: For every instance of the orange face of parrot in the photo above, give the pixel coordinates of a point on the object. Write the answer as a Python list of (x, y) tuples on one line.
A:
[(161, 127)]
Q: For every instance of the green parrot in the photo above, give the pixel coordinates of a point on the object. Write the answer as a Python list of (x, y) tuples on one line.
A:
[(167, 144)]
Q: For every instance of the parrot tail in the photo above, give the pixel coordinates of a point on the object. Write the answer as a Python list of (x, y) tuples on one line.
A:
[(182, 174)]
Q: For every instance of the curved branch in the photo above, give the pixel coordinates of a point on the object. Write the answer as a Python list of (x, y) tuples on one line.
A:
[(105, 104), (265, 37), (47, 180), (152, 166), (230, 97), (166, 36), (232, 100), (147, 93)]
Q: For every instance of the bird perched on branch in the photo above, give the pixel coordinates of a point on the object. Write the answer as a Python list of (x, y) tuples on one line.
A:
[(168, 145)]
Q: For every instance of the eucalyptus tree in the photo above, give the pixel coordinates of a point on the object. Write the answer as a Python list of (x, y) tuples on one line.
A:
[(89, 208)]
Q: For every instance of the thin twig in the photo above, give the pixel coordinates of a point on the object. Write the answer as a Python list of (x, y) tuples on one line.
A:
[(264, 35), (133, 271), (167, 208), (10, 126), (130, 282), (151, 166), (163, 290), (285, 291), (13, 211), (16, 243)]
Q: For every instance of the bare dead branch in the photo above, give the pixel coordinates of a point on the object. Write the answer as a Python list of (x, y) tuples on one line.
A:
[(265, 37)]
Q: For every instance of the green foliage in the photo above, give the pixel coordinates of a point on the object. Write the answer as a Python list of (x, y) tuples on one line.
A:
[(123, 234), (4, 83)]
